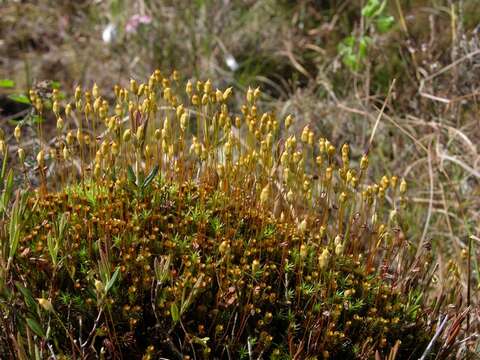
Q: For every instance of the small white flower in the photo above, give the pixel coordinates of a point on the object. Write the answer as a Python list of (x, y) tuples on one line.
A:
[(109, 33), (231, 62)]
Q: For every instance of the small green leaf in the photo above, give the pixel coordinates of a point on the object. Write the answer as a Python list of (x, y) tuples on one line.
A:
[(384, 23), (352, 61), (27, 295), (7, 83), (174, 312), (112, 280), (20, 98), (140, 178), (55, 85), (52, 245), (150, 177), (9, 185), (131, 175), (370, 8), (4, 170), (349, 41), (7, 192), (15, 227), (362, 48), (36, 327), (36, 119)]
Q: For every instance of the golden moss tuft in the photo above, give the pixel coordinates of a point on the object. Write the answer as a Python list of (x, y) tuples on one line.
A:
[(166, 224)]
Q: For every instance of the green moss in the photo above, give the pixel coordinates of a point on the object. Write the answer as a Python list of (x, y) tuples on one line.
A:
[(196, 264)]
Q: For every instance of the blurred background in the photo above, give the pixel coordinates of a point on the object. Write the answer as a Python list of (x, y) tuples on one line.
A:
[(333, 64)]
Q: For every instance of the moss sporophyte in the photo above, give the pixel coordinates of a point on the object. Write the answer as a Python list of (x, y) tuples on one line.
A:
[(165, 224)]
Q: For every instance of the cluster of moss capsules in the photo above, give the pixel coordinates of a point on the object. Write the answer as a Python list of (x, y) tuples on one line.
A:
[(166, 225)]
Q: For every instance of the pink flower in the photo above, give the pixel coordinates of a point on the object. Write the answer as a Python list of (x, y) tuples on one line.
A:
[(135, 21)]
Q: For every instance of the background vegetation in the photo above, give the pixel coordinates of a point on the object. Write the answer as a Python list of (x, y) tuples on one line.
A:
[(399, 82)]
